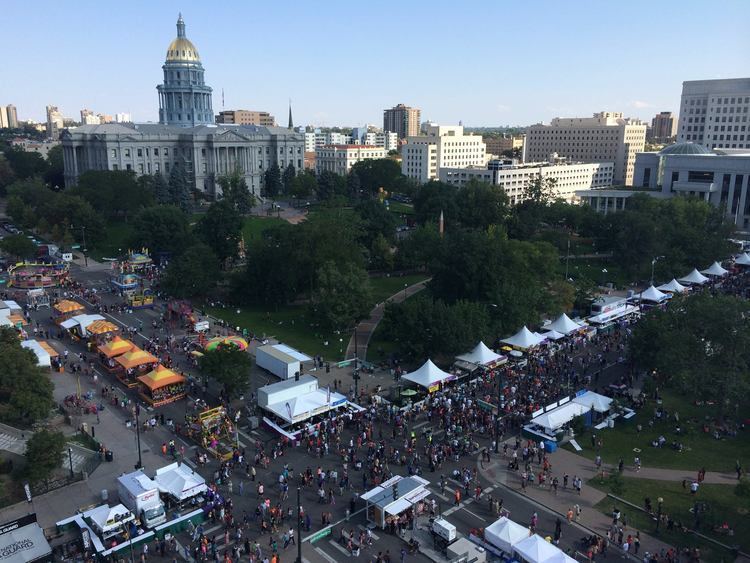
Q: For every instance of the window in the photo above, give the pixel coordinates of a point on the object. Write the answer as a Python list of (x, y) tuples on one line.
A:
[(157, 166), (127, 153), (115, 167), (140, 168), (203, 152), (128, 167), (166, 152), (140, 152), (114, 153), (156, 152)]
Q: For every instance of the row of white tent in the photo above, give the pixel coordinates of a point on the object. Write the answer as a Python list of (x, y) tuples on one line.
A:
[(562, 326), (513, 538)]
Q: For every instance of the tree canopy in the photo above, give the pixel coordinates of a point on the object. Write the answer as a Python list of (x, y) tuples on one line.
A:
[(114, 193), (342, 295), (44, 454), (221, 229), (194, 273), (162, 228), (229, 366)]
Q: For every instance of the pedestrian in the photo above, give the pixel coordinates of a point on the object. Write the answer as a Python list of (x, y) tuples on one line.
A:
[(230, 486)]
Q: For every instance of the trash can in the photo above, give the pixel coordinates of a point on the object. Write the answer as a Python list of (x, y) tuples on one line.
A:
[(109, 456), (105, 495), (550, 446)]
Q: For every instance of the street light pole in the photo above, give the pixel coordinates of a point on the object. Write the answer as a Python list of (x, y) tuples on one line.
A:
[(85, 258), (138, 435), (356, 347), (70, 460), (299, 528)]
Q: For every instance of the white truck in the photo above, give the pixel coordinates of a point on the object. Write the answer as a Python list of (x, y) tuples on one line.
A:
[(281, 360), (140, 494)]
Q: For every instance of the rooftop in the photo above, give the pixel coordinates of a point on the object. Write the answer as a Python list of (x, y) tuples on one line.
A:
[(685, 148), (344, 147)]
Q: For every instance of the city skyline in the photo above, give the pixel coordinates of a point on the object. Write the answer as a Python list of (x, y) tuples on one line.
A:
[(555, 63)]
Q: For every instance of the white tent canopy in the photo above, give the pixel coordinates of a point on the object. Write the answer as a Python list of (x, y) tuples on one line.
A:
[(428, 375), (673, 287), (559, 416), (742, 259), (694, 278), (524, 338), (81, 320), (715, 269), (552, 334), (179, 481), (654, 295), (563, 324), (560, 557), (480, 355), (42, 356), (505, 533), (595, 401), (535, 549)]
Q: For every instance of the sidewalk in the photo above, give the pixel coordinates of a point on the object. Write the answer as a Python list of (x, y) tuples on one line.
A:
[(566, 462)]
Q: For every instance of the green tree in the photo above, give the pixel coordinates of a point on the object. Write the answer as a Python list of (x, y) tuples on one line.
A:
[(25, 390), (420, 248), (381, 254), (385, 173), (229, 366), (481, 205), (234, 190), (115, 193), (44, 454), (304, 184), (221, 229), (330, 185), (26, 164), (342, 295), (161, 228), (180, 188), (54, 176), (18, 246), (7, 176), (540, 189), (434, 198), (194, 273), (272, 181), (376, 220), (353, 186), (288, 179), (161, 189)]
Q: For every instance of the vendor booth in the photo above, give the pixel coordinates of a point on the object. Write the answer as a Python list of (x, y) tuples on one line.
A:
[(505, 533), (110, 350), (563, 325), (23, 541), (524, 339), (653, 295), (179, 482), (693, 278), (594, 401), (109, 521), (43, 358), (65, 309), (100, 331), (482, 356), (535, 549), (673, 287), (162, 386), (715, 270), (429, 377), (132, 364), (742, 259), (552, 335), (398, 497)]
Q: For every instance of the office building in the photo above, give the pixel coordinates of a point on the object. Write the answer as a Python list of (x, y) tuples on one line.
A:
[(605, 137), (402, 120), (55, 122), (89, 118), (443, 146), (513, 178), (29, 145), (4, 121), (205, 151), (499, 145), (719, 177), (341, 158), (123, 118), (8, 117), (246, 117), (663, 127), (714, 113), (184, 97)]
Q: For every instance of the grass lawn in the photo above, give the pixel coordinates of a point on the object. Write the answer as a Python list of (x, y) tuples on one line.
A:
[(384, 287), (291, 325), (253, 227), (700, 449), (117, 236), (591, 268), (400, 208), (722, 505)]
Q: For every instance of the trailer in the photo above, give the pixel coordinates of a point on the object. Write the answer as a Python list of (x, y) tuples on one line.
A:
[(141, 495), (281, 360)]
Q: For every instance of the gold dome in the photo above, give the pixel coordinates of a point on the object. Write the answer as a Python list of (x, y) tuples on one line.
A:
[(182, 50)]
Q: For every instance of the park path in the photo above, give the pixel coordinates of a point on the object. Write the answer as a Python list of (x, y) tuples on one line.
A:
[(366, 328)]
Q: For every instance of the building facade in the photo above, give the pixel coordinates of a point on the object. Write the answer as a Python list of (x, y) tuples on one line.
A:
[(205, 151), (444, 146), (88, 117), (340, 158), (514, 178), (663, 127), (719, 177), (402, 120), (8, 117), (714, 113), (498, 145), (184, 97), (29, 145), (246, 117), (55, 122), (605, 137)]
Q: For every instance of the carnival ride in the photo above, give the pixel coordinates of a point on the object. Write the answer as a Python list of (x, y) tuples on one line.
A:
[(213, 430), (126, 282), (216, 342), (36, 275), (143, 299)]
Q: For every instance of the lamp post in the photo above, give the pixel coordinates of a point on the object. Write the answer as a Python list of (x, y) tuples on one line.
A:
[(659, 503), (83, 240), (653, 265), (567, 258), (137, 411), (299, 528), (405, 286), (70, 460)]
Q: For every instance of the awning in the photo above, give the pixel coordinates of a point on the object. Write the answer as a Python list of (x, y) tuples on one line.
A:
[(653, 295), (116, 347), (66, 306), (50, 350), (136, 357), (715, 269), (524, 339), (428, 375), (160, 377), (23, 541), (694, 278), (101, 327)]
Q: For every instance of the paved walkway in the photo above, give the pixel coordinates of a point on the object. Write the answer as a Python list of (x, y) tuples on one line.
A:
[(366, 328)]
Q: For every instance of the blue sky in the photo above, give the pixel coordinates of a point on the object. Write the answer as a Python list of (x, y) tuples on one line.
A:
[(341, 62)]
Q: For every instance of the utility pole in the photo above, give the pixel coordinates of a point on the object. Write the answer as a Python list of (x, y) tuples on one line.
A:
[(138, 435), (299, 528), (70, 459)]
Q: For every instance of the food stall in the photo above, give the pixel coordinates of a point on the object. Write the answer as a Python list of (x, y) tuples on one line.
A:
[(162, 386), (503, 534), (43, 358), (429, 377), (397, 498), (212, 429), (143, 299), (100, 331), (132, 364), (480, 357), (110, 350), (179, 483), (65, 309), (535, 549), (110, 521)]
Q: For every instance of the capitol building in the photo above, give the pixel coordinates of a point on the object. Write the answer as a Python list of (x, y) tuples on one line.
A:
[(185, 135)]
